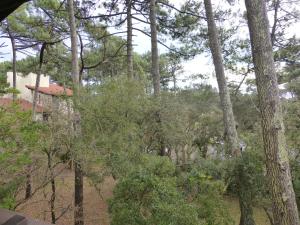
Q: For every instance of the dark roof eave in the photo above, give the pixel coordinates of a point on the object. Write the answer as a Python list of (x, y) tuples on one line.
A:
[(8, 6)]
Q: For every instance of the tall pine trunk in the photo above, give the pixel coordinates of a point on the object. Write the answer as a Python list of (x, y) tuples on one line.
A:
[(228, 117), (215, 48), (129, 40), (155, 73), (285, 210), (154, 49), (14, 60), (78, 174)]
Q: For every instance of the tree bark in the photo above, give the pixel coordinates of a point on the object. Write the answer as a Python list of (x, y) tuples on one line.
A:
[(228, 117), (74, 43), (155, 73), (174, 82), (52, 200), (129, 40), (154, 49), (53, 188), (37, 81), (78, 174), (14, 60), (34, 103), (246, 209), (28, 188), (245, 197), (285, 210), (78, 218)]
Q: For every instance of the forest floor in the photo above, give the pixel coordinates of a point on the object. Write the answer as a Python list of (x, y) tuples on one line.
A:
[(95, 205)]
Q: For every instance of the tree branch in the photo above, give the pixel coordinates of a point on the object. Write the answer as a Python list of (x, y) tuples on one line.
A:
[(161, 43)]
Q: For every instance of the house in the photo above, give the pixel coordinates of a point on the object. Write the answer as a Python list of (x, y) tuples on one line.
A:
[(51, 96)]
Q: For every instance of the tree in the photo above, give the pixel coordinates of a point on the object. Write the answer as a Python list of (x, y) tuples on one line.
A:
[(78, 176), (14, 57), (129, 40), (37, 82), (15, 147), (154, 50), (228, 117), (284, 204)]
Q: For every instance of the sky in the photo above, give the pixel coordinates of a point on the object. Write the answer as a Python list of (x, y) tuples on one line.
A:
[(200, 64), (203, 63)]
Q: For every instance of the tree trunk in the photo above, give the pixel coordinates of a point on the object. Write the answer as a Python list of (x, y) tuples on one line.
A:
[(37, 82), (28, 188), (246, 210), (74, 41), (78, 218), (52, 200), (154, 50), (285, 210), (228, 117), (155, 72), (34, 103), (78, 174), (245, 198), (129, 40), (174, 82), (53, 188), (14, 60)]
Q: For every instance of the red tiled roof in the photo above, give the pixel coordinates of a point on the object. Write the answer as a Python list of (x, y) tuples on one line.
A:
[(53, 89), (24, 104)]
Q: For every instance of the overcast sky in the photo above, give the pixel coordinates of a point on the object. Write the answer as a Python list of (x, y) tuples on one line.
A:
[(203, 63), (200, 64)]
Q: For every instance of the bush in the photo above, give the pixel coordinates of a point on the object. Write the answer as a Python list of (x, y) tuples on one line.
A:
[(149, 195), (203, 189)]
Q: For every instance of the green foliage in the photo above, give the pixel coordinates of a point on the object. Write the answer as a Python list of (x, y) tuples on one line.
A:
[(4, 87), (246, 112), (204, 187), (188, 117), (152, 194), (4, 67), (149, 195), (252, 181), (290, 73), (122, 127), (8, 192), (292, 124), (112, 118), (295, 168), (18, 139)]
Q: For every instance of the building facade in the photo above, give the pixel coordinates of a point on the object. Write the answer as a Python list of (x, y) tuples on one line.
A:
[(51, 96)]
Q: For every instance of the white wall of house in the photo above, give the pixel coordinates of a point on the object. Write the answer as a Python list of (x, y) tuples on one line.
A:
[(22, 81)]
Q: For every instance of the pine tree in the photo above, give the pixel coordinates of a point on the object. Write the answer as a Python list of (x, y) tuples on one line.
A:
[(285, 210)]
